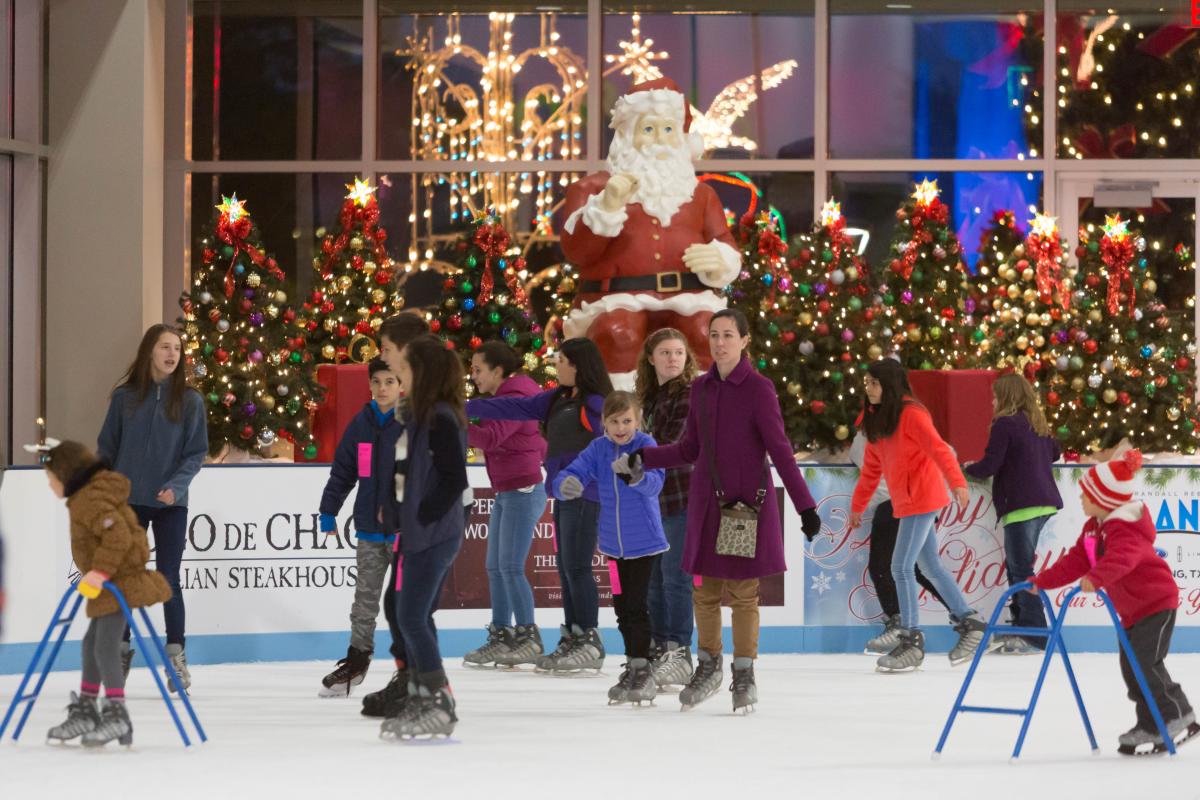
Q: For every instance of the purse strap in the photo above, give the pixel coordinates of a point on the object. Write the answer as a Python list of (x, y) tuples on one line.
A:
[(760, 498)]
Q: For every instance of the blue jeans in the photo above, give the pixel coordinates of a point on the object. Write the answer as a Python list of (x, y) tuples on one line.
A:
[(422, 576), (169, 525), (1020, 544), (916, 544), (575, 531), (510, 534), (671, 588)]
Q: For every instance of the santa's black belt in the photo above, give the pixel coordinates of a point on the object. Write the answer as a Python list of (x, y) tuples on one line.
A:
[(665, 282)]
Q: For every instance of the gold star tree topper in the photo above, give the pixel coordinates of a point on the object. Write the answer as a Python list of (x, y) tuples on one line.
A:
[(926, 192), (1044, 226), (360, 192), (831, 212), (233, 209), (1115, 227)]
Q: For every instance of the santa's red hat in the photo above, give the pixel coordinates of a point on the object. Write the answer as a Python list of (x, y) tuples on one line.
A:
[(663, 97), (1110, 485)]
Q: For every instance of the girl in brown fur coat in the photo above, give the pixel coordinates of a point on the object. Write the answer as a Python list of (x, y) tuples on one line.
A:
[(108, 545)]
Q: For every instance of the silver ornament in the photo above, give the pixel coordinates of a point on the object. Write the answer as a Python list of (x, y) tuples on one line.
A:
[(1106, 366), (1140, 244), (266, 437), (806, 348), (281, 390), (1094, 381), (205, 297), (1137, 314), (838, 277), (200, 370), (1062, 362), (222, 325)]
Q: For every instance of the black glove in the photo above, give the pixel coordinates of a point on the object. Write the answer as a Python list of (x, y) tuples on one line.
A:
[(810, 523), (635, 461)]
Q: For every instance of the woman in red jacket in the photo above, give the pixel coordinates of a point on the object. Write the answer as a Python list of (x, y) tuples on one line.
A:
[(904, 448)]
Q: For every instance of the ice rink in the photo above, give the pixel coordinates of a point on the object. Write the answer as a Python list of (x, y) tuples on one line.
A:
[(826, 725)]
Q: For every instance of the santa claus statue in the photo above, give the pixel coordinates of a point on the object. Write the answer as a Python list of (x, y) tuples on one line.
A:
[(649, 241)]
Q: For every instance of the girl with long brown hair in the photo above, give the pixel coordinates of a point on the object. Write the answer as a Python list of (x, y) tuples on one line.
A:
[(1019, 453), (156, 435)]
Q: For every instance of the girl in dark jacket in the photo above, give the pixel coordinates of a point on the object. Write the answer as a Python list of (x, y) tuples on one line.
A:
[(156, 435), (430, 481), (571, 417)]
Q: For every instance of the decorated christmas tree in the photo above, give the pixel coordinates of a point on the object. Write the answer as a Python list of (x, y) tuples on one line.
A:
[(485, 299), (354, 290), (256, 377), (1030, 318), (996, 244), (1129, 361), (925, 286)]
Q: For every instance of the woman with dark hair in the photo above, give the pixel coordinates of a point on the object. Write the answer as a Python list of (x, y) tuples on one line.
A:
[(156, 435), (571, 418), (430, 481), (905, 448), (733, 423), (513, 453)]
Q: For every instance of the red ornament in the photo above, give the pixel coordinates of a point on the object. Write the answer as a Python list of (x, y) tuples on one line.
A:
[(311, 325), (356, 262), (1092, 281), (246, 304), (455, 322), (450, 344), (1052, 398), (228, 399), (806, 255), (222, 356), (823, 306), (1089, 347), (818, 406), (289, 315), (214, 314), (869, 314), (435, 326), (342, 331), (317, 297), (789, 337), (1071, 456), (247, 432), (383, 277), (341, 354), (1181, 363), (1080, 251), (362, 326), (949, 313), (1124, 398), (476, 342), (448, 283), (845, 356), (822, 329)]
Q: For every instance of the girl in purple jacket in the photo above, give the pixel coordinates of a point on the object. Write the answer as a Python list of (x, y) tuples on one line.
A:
[(1019, 453), (733, 424), (513, 453)]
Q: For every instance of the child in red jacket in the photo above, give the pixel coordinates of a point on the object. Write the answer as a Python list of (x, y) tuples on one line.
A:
[(1116, 553)]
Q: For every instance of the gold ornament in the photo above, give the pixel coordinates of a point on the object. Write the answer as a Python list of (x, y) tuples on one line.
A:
[(914, 335), (378, 296), (281, 297), (268, 402), (1039, 341), (1173, 413), (1150, 286), (397, 301), (1013, 291), (502, 300), (363, 312), (253, 279), (793, 388), (805, 318), (1094, 315), (356, 243), (345, 282), (875, 352), (566, 285), (376, 323), (273, 311), (317, 263), (1027, 275), (1110, 396), (328, 351), (452, 302), (1029, 296), (842, 433), (851, 274), (1033, 320), (1077, 384), (362, 348), (1019, 250), (329, 324), (1022, 342)]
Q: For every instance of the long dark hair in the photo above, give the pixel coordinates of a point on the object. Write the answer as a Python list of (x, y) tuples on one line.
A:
[(437, 377), (140, 379), (881, 420), (591, 376)]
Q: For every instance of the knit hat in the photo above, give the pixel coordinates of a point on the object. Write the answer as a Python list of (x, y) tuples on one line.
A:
[(1110, 485), (660, 96)]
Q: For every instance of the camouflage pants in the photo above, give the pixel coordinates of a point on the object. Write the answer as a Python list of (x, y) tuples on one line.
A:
[(374, 560)]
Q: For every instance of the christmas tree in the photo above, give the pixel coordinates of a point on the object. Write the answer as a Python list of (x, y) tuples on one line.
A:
[(1030, 313), (996, 245), (1128, 363), (485, 299), (354, 291), (256, 379), (925, 287)]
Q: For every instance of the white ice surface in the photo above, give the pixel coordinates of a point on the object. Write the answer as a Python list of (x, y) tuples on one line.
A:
[(826, 726)]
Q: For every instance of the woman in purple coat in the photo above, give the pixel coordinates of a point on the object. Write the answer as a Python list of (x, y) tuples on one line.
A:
[(733, 424)]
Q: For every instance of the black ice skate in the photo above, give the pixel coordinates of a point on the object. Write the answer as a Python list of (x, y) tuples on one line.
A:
[(114, 724), (636, 684), (499, 643), (526, 648), (705, 682), (1139, 742), (885, 642), (970, 633), (425, 715), (388, 701), (586, 652), (83, 715), (906, 656), (566, 640), (350, 672), (744, 689)]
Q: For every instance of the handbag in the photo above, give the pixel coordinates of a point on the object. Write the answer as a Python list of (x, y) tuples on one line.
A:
[(737, 534)]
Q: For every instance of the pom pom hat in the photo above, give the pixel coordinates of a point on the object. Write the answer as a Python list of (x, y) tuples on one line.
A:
[(1110, 485), (664, 98)]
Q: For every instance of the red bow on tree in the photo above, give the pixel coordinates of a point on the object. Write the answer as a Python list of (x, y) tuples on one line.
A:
[(1047, 250), (234, 234), (493, 240), (1117, 253), (1121, 142)]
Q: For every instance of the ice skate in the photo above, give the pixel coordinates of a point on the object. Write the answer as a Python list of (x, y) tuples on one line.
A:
[(1014, 646), (705, 682), (127, 652), (906, 656), (619, 692), (179, 663), (586, 652), (82, 717), (349, 672), (565, 640), (745, 690), (498, 644), (970, 633), (526, 647), (114, 724), (1140, 742), (673, 667), (388, 701), (886, 641), (425, 715), (636, 684)]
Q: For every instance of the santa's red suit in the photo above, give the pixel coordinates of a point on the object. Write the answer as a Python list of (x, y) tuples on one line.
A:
[(631, 276)]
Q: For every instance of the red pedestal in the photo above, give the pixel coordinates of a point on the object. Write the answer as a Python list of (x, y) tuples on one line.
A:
[(960, 402), (347, 389)]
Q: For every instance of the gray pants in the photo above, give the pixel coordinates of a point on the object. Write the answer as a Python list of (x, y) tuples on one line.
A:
[(1150, 639), (374, 560), (102, 651)]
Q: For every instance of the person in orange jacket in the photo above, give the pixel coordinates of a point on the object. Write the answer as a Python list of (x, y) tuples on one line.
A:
[(904, 448)]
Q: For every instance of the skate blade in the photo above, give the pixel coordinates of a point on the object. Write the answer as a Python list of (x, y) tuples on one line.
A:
[(744, 711), (340, 690), (1150, 749), (895, 670), (480, 665)]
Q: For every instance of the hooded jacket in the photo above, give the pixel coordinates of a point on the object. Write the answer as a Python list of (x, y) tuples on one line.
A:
[(1126, 567), (630, 524), (365, 456), (513, 450)]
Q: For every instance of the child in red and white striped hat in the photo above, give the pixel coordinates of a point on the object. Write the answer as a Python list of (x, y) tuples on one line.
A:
[(1115, 552)]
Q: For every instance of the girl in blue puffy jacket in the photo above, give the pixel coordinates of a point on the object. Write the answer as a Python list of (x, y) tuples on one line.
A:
[(630, 532)]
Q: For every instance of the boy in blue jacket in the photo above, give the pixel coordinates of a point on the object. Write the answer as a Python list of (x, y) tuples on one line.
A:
[(630, 533), (365, 458)]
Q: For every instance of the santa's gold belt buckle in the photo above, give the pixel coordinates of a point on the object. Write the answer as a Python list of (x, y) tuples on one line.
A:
[(675, 277)]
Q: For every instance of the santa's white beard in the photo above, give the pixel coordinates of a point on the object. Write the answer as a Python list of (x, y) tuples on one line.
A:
[(664, 184)]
